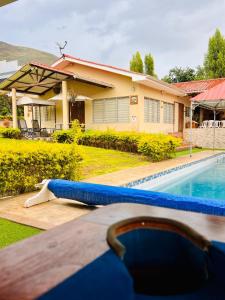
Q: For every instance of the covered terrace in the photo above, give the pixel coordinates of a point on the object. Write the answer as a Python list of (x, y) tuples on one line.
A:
[(211, 132), (43, 82)]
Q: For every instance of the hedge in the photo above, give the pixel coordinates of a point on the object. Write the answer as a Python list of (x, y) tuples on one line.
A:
[(9, 117), (24, 164), (155, 146), (10, 133), (158, 146)]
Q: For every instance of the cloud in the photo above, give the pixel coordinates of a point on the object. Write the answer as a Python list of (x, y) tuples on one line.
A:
[(175, 32)]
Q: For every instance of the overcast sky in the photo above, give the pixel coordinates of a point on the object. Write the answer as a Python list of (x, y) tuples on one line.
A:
[(176, 32)]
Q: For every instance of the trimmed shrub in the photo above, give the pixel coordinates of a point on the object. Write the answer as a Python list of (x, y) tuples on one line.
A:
[(68, 136), (24, 164), (63, 136), (155, 146), (10, 133), (158, 146), (109, 139)]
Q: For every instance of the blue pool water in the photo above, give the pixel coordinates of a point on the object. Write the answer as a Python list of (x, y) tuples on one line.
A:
[(207, 182)]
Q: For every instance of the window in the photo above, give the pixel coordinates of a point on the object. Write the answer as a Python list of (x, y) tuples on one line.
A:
[(36, 113), (168, 113), (112, 110), (151, 110), (48, 113)]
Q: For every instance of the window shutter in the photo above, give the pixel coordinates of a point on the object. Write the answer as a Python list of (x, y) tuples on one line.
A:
[(110, 109), (98, 111), (151, 110), (123, 110), (168, 113), (146, 110)]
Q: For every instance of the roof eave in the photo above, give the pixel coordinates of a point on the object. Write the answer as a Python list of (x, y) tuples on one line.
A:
[(156, 84)]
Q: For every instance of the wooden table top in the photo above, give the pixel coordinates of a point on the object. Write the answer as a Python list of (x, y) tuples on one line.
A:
[(33, 266)]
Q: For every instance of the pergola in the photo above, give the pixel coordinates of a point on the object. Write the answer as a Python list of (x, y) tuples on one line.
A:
[(39, 79), (212, 99)]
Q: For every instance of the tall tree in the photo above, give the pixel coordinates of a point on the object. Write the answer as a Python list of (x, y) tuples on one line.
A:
[(149, 65), (200, 73), (214, 63), (179, 74), (136, 63)]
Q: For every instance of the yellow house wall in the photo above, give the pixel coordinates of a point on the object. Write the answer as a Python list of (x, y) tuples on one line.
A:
[(123, 87)]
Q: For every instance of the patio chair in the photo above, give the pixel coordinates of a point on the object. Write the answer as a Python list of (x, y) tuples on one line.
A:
[(210, 123), (204, 124), (22, 124), (223, 123), (217, 124), (37, 130)]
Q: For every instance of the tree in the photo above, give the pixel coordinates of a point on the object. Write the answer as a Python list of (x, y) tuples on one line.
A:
[(136, 63), (149, 65), (200, 73), (214, 63), (179, 74), (5, 106)]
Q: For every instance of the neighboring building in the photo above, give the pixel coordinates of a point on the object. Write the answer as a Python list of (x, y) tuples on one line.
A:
[(193, 88), (101, 97)]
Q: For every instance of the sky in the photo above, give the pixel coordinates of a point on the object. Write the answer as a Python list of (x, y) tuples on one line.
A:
[(176, 32)]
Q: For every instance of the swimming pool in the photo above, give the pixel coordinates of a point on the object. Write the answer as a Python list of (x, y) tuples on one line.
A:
[(205, 179)]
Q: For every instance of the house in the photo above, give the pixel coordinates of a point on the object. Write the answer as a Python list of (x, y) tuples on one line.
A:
[(98, 95), (194, 88)]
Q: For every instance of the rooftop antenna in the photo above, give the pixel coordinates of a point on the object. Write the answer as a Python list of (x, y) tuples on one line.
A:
[(61, 47)]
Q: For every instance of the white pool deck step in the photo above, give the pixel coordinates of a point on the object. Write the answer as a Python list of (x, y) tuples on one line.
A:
[(59, 211)]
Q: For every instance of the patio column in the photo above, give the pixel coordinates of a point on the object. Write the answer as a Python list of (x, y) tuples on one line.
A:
[(65, 105), (14, 108)]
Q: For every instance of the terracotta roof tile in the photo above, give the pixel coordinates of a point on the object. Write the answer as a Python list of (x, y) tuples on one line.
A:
[(198, 86)]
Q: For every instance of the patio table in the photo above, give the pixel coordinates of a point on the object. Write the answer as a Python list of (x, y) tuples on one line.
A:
[(33, 266)]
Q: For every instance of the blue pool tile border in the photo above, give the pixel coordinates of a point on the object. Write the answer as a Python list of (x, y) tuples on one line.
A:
[(166, 172)]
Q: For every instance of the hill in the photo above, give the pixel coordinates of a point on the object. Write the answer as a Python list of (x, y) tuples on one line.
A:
[(24, 55)]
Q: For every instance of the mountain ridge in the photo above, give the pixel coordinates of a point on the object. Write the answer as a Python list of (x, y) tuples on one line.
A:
[(24, 54)]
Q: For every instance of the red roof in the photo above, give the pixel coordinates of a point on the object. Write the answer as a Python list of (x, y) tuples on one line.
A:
[(198, 86), (216, 93)]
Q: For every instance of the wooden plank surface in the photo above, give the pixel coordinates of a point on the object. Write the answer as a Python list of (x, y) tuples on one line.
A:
[(32, 267)]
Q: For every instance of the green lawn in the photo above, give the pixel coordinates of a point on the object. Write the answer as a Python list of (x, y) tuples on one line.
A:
[(186, 152), (11, 232), (99, 161)]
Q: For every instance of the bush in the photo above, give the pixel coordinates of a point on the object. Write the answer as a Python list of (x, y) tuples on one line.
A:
[(158, 146), (68, 136), (10, 133), (24, 164), (109, 139), (63, 136), (155, 146)]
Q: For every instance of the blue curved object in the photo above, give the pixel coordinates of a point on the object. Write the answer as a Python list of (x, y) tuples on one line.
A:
[(98, 194)]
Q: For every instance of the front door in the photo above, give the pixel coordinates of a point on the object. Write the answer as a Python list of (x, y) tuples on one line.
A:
[(77, 111), (181, 117)]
